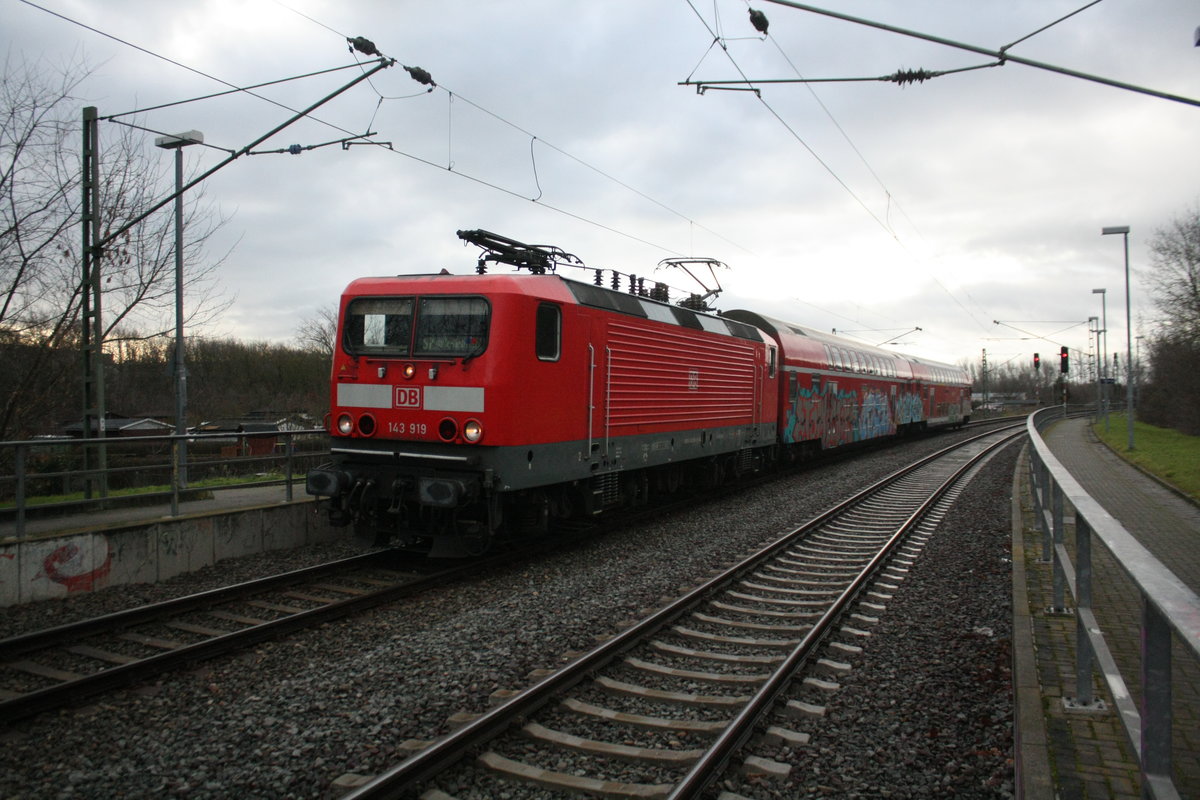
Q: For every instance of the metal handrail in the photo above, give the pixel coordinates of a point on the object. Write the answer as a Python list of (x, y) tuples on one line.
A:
[(1170, 609), (98, 479)]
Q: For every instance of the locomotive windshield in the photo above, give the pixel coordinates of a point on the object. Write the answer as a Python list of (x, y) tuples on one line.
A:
[(423, 327)]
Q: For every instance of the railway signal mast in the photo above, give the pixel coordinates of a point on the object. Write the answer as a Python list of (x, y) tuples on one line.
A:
[(1063, 367)]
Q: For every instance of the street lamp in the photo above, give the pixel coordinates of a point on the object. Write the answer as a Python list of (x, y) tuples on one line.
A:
[(1094, 325), (1137, 371), (177, 143), (1124, 231), (1101, 342)]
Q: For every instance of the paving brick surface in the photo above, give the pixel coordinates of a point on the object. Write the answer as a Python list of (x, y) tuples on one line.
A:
[(1090, 755)]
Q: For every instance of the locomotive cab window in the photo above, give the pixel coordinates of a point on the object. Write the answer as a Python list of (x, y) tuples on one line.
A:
[(405, 327), (548, 333), (378, 326), (451, 327)]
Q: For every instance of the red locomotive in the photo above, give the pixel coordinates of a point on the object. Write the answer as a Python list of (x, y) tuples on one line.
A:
[(467, 405)]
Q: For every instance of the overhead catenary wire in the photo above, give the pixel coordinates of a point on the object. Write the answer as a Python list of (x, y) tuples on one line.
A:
[(909, 76), (453, 95), (235, 90), (882, 224), (593, 168), (846, 136), (1001, 54), (387, 147), (833, 173), (1048, 26), (1045, 337)]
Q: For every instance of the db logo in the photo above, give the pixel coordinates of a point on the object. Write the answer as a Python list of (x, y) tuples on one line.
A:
[(408, 397)]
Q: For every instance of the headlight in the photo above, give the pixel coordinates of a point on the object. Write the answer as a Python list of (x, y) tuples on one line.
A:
[(410, 370), (345, 425), (472, 431), (366, 425)]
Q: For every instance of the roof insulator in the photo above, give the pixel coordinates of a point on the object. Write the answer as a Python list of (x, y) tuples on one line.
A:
[(759, 20), (420, 76), (906, 76), (364, 46)]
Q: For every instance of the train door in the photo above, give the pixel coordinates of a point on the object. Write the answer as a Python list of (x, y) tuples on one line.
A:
[(829, 412), (764, 375), (599, 377)]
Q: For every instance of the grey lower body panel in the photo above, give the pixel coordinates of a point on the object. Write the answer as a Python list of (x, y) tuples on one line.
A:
[(434, 492)]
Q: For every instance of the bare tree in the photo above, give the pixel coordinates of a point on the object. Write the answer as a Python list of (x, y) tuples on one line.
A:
[(40, 281), (1172, 391), (317, 333), (1174, 277)]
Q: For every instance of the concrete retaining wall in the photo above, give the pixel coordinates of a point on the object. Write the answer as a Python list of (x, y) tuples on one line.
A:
[(58, 564)]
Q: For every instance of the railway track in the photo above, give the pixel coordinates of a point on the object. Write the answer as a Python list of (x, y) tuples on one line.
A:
[(60, 666), (661, 709)]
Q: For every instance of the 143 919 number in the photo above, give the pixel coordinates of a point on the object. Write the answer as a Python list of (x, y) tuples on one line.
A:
[(407, 428)]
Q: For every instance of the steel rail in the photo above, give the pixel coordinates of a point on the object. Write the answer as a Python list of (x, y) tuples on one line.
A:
[(115, 677), (709, 766), (443, 753), (21, 644)]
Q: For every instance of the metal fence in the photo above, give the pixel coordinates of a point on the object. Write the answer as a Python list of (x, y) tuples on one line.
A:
[(65, 477), (1170, 610)]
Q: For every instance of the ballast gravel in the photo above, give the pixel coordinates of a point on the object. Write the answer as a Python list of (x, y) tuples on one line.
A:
[(926, 710)]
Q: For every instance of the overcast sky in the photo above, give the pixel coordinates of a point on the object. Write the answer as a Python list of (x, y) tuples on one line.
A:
[(867, 207)]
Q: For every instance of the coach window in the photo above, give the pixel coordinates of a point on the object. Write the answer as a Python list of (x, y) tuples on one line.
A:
[(548, 335), (770, 362)]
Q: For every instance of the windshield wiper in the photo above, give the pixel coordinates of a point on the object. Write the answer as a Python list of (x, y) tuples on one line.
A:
[(476, 351)]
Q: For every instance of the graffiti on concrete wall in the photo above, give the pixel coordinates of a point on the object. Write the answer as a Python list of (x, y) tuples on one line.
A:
[(78, 565)]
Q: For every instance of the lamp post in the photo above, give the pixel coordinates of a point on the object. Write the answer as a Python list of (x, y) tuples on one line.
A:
[(1124, 231), (177, 143), (1094, 325), (1103, 351), (1137, 372)]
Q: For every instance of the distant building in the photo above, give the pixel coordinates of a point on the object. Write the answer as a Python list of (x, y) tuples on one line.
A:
[(120, 425), (997, 401), (247, 437)]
